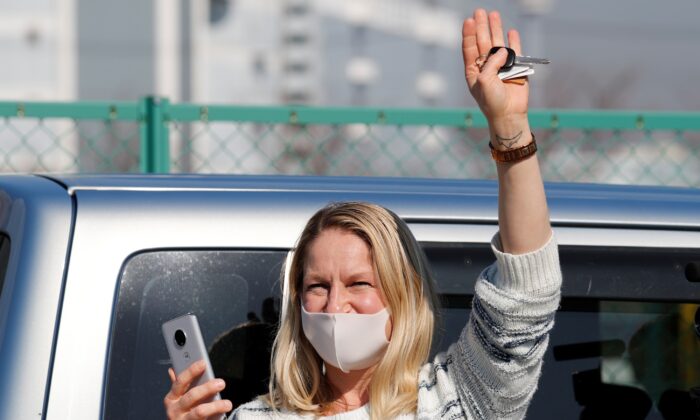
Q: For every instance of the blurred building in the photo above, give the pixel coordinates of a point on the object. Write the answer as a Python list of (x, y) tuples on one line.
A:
[(38, 43), (334, 52), (235, 51), (340, 52)]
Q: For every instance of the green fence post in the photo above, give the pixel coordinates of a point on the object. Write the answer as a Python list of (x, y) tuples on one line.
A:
[(155, 138)]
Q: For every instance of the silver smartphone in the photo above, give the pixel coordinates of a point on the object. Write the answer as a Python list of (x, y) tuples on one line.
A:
[(186, 346)]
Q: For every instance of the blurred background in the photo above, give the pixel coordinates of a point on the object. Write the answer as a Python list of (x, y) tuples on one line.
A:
[(264, 86), (637, 54)]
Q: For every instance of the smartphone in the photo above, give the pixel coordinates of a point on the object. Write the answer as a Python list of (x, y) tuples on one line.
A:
[(186, 346)]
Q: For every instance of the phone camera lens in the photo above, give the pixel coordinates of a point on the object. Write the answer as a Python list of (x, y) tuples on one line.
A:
[(180, 338)]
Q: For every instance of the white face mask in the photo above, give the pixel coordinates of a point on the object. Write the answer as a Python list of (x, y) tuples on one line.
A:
[(347, 341)]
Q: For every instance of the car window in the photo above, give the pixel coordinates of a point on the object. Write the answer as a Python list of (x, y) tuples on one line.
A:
[(604, 351), (235, 295), (632, 357), (4, 258)]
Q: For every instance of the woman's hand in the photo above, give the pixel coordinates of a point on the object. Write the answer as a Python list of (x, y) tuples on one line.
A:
[(498, 100), (185, 403), (523, 218)]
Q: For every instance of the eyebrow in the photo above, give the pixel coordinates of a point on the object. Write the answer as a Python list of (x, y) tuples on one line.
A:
[(360, 274), (313, 277)]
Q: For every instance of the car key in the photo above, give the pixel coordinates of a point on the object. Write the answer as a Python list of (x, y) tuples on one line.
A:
[(514, 60)]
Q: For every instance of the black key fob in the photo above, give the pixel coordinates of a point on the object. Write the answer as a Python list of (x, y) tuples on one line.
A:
[(510, 61)]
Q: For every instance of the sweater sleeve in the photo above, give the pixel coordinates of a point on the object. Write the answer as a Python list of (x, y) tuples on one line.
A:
[(498, 357)]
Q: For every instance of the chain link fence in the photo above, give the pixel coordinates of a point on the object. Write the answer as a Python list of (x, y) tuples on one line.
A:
[(69, 137), (153, 135)]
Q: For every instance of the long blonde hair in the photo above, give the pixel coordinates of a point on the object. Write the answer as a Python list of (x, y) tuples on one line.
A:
[(297, 382)]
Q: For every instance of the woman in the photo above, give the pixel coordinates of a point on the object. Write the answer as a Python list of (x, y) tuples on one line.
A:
[(356, 333)]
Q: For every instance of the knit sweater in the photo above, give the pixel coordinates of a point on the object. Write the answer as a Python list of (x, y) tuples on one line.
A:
[(492, 371)]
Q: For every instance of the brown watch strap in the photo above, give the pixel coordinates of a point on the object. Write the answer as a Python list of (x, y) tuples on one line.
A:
[(515, 155)]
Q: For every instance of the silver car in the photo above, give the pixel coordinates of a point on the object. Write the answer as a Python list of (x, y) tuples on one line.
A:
[(91, 266)]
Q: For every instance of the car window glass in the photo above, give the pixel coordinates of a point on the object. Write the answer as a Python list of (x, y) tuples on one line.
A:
[(598, 346), (4, 258), (607, 358), (235, 295), (615, 360)]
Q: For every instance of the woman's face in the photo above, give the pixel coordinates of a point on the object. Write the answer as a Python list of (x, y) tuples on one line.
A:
[(339, 276)]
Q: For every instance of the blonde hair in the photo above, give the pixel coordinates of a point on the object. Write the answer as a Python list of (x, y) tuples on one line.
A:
[(297, 382)]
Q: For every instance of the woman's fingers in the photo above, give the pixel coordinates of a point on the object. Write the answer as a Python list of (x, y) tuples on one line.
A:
[(181, 400), (494, 97), (214, 408), (200, 393), (496, 29), (514, 41), (483, 33), (184, 380), (470, 51), (494, 63)]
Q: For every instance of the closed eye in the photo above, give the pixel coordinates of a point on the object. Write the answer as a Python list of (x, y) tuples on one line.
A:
[(361, 283), (316, 287)]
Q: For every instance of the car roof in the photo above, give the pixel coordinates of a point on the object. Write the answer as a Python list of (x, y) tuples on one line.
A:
[(569, 203)]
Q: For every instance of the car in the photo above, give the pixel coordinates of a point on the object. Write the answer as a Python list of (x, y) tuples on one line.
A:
[(91, 266)]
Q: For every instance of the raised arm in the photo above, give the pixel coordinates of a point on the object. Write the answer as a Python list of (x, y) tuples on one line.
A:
[(522, 208)]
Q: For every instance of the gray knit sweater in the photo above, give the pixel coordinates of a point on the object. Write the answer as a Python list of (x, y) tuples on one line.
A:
[(491, 372)]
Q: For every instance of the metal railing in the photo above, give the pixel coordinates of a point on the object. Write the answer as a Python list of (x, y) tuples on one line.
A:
[(154, 136)]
